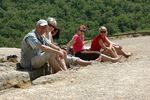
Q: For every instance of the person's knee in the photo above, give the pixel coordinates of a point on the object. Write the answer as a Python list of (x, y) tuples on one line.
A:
[(51, 56), (57, 57)]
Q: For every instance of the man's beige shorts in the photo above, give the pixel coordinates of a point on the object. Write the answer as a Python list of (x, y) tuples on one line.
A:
[(40, 60)]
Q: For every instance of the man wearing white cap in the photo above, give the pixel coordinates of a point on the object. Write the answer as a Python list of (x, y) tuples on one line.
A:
[(36, 50)]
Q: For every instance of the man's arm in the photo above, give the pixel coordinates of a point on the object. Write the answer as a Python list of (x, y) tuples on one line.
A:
[(33, 42), (54, 46), (58, 48), (103, 44), (70, 43), (50, 50)]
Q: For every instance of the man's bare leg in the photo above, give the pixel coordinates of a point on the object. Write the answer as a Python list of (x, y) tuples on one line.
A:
[(55, 64), (83, 62), (62, 63)]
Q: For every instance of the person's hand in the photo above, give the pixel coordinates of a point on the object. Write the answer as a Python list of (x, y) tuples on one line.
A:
[(68, 49), (64, 52), (61, 54), (117, 46), (111, 45), (108, 48)]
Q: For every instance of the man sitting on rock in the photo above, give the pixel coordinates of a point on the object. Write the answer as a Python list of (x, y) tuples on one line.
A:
[(36, 50)]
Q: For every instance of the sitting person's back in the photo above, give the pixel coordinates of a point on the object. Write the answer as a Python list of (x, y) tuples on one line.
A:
[(27, 52)]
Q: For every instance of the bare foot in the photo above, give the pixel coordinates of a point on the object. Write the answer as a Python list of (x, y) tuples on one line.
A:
[(116, 59), (99, 59), (127, 55)]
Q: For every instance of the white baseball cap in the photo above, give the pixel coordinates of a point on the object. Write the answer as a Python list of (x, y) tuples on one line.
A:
[(42, 22)]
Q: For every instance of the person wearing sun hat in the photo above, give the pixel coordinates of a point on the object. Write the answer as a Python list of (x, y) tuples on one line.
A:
[(104, 45), (36, 50)]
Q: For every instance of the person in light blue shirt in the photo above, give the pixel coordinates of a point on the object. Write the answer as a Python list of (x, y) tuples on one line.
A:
[(36, 50)]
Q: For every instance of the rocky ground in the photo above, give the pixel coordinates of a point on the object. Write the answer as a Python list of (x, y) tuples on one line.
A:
[(126, 80)]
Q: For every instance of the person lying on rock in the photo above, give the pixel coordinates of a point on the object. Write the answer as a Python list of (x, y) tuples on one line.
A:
[(36, 50)]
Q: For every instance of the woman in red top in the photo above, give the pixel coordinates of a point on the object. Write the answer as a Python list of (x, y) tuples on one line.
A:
[(104, 45), (77, 44)]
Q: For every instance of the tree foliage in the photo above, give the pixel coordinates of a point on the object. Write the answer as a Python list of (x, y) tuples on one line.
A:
[(18, 17)]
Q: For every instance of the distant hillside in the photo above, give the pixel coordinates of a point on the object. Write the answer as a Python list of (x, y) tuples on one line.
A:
[(18, 17)]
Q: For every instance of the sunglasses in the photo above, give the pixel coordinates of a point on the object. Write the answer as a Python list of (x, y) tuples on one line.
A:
[(103, 31), (50, 25), (82, 30)]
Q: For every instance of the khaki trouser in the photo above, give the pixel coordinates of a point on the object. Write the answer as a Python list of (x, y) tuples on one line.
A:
[(40, 60), (51, 58)]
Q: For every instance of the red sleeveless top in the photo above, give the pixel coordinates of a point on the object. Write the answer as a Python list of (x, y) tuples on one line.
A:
[(79, 43), (95, 46)]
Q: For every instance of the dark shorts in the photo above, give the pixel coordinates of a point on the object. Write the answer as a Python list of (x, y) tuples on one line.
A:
[(87, 56)]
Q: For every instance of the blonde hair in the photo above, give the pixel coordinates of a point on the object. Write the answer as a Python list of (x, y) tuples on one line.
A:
[(52, 21), (103, 28)]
